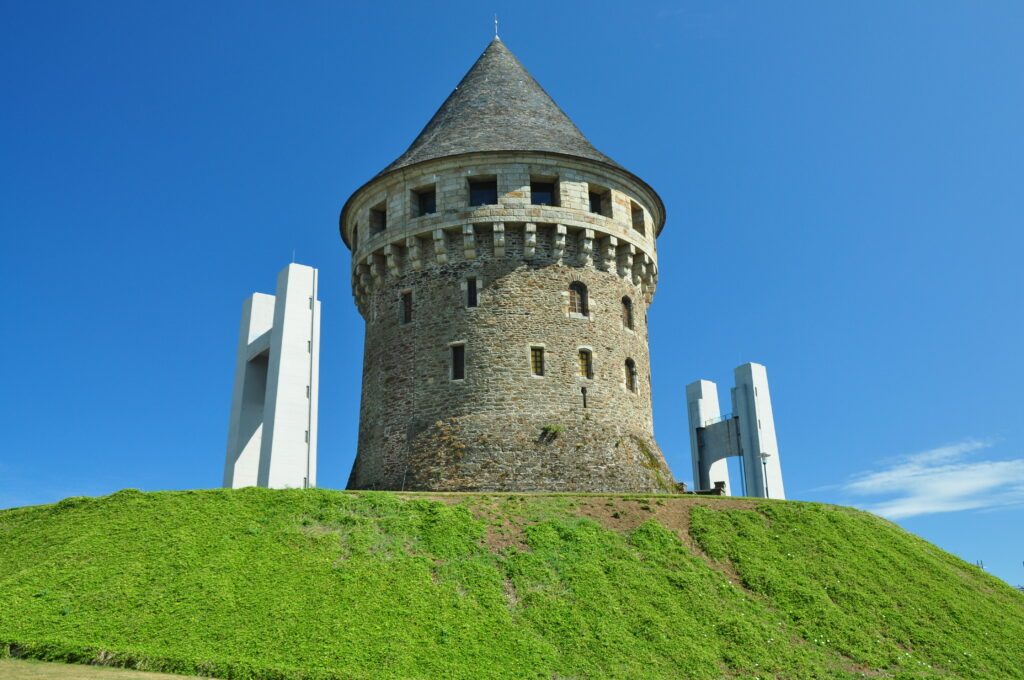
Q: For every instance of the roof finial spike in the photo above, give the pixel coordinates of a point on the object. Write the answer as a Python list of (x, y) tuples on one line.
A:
[(496, 27)]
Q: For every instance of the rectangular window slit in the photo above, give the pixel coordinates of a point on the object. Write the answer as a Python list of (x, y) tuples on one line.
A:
[(458, 362), (537, 360), (407, 307), (586, 364)]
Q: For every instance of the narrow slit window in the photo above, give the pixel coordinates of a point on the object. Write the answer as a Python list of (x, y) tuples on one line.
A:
[(471, 293), (627, 313), (578, 303), (630, 375), (586, 364), (407, 307), (483, 192), (458, 362), (537, 360)]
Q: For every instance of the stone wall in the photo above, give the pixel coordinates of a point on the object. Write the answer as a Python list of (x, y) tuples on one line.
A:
[(501, 427)]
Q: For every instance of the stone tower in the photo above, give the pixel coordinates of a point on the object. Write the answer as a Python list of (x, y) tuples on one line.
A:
[(504, 266)]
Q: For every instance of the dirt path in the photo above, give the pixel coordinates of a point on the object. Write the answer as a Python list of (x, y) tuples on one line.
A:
[(15, 669)]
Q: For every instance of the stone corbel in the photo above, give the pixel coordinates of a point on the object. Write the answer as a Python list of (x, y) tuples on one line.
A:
[(375, 262), (529, 241), (558, 249), (364, 278), (609, 248), (468, 242), (639, 268), (625, 260), (651, 282), (412, 249), (499, 239), (440, 251), (391, 256), (585, 246)]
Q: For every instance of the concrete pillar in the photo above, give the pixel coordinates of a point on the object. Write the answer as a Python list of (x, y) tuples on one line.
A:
[(752, 405), (702, 410), (272, 433), (245, 427)]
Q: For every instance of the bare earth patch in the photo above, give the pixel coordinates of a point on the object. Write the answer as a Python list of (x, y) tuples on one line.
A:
[(15, 669)]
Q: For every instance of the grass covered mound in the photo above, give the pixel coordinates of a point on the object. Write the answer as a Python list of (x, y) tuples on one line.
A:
[(256, 583)]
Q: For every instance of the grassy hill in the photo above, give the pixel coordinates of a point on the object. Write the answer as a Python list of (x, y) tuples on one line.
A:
[(324, 584)]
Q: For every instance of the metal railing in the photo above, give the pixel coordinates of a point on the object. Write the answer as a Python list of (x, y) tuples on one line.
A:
[(712, 421)]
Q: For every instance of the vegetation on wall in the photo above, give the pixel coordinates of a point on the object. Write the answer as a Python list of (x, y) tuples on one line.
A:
[(322, 584)]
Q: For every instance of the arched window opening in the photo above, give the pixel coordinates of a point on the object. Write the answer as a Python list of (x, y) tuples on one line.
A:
[(627, 313), (578, 303), (586, 364), (630, 375)]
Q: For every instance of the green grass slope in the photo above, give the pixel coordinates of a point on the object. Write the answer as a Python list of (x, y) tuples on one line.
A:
[(325, 584)]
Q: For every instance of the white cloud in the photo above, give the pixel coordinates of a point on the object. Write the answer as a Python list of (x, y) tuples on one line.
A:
[(944, 479)]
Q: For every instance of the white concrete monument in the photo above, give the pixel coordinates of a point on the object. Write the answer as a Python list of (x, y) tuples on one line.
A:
[(272, 431), (748, 432)]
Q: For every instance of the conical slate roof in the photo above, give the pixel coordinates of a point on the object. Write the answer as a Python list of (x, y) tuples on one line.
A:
[(498, 106)]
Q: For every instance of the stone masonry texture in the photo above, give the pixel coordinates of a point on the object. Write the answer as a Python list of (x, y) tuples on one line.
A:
[(501, 427)]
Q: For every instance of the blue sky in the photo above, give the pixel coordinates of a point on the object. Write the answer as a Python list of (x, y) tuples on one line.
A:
[(843, 184)]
